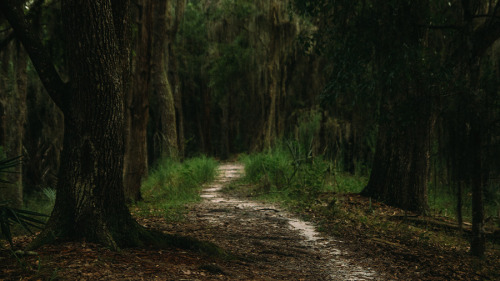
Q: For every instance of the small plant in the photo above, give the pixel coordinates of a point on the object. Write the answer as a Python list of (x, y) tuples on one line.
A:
[(6, 164), (10, 216), (50, 193)]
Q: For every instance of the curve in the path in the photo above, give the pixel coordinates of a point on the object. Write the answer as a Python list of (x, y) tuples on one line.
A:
[(278, 236)]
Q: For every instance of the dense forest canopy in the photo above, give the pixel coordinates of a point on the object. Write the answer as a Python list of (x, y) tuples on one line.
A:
[(406, 92)]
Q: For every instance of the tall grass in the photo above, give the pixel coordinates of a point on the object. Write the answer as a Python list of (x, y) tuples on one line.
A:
[(279, 175), (171, 185)]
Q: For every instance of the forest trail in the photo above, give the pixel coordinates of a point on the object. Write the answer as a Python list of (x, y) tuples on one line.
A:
[(275, 245), (266, 242)]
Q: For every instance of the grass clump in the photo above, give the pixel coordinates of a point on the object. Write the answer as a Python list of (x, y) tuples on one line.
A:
[(285, 175), (171, 185)]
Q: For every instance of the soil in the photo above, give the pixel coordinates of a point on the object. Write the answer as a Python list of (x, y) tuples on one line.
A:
[(264, 242)]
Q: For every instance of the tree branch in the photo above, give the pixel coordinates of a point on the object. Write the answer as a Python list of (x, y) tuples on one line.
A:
[(456, 27), (486, 16), (39, 55), (486, 34), (7, 40), (466, 9)]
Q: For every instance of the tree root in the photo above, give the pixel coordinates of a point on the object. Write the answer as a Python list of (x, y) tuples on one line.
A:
[(138, 236)]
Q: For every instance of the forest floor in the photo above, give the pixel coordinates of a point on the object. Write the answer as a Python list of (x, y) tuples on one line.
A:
[(265, 242)]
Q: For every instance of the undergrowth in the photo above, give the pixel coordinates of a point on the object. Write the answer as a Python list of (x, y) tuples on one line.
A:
[(282, 175), (314, 190), (171, 185)]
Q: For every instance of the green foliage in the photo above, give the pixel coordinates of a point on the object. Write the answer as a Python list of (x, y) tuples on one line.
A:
[(192, 41), (307, 132), (229, 65), (280, 173), (50, 194), (242, 9), (6, 165), (443, 201), (10, 216), (171, 185), (347, 183), (40, 201)]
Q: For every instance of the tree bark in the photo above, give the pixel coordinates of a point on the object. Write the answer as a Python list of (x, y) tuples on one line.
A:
[(90, 201), (38, 54), (270, 133), (13, 117), (473, 43), (401, 165), (478, 239), (136, 163), (162, 100), (180, 7)]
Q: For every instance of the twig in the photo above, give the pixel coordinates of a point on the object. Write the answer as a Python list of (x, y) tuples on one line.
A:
[(268, 209)]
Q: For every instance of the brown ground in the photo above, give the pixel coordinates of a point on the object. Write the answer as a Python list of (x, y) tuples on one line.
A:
[(266, 243)]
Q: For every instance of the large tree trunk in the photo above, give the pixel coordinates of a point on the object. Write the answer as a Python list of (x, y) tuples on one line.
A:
[(401, 165), (164, 130), (137, 108), (90, 199)]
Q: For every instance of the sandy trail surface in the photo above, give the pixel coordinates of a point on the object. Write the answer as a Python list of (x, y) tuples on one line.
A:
[(274, 244)]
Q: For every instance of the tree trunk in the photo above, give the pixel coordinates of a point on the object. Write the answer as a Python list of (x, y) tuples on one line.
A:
[(401, 164), (224, 105), (180, 8), (90, 202), (13, 117), (162, 99), (270, 133), (179, 116), (478, 239), (136, 160)]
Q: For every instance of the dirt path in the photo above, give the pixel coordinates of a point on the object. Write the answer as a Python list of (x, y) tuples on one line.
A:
[(275, 245), (268, 243)]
